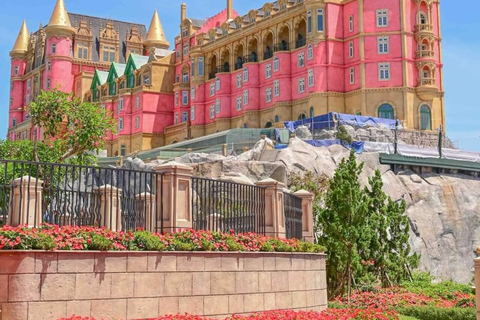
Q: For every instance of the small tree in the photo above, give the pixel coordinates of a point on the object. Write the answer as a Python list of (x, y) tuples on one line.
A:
[(71, 126)]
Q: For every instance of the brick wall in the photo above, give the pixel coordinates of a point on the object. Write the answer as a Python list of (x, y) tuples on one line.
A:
[(39, 285)]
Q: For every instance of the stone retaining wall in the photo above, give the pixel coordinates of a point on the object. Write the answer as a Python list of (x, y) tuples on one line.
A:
[(40, 285), (477, 284)]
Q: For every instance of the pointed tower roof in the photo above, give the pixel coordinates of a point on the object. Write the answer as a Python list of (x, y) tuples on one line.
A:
[(60, 15), (21, 45), (156, 34)]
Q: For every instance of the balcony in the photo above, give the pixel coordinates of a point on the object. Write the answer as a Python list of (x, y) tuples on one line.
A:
[(300, 43), (426, 89), (424, 28), (421, 54), (281, 47)]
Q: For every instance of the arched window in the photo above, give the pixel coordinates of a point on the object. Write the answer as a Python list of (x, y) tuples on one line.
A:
[(386, 112), (310, 52), (245, 126), (276, 64), (302, 116), (422, 18), (269, 124), (277, 119), (425, 118), (311, 112)]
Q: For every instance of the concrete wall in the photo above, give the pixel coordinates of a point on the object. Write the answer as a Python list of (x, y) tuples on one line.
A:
[(40, 285)]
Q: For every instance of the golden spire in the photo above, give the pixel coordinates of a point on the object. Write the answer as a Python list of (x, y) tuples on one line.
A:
[(21, 45), (60, 15), (156, 35)]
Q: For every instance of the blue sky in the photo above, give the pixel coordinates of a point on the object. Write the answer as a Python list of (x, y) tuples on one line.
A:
[(460, 33)]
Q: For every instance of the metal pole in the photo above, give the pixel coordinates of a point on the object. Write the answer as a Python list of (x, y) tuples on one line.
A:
[(440, 137), (395, 143)]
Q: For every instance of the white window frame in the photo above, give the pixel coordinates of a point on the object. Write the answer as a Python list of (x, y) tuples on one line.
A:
[(218, 108), (301, 60), (351, 50), (185, 48), (382, 18), (137, 122), (177, 98), (201, 66), (137, 102), (192, 113), (276, 88), (352, 75), (239, 104), (53, 48), (351, 23), (245, 74), (217, 84), (320, 12), (245, 97), (301, 85), (48, 83), (184, 116), (212, 112), (120, 124), (310, 52), (268, 71), (239, 80), (309, 21), (176, 118), (49, 65), (192, 93), (185, 98), (120, 105), (276, 64), (384, 73), (15, 71), (311, 78), (383, 45), (212, 89), (268, 95)]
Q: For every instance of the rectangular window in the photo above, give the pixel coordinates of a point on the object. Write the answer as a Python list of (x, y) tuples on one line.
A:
[(268, 95), (382, 18), (301, 59), (311, 78), (276, 88), (49, 66), (176, 98), (109, 54), (239, 104), (309, 22), (268, 71), (146, 79), (212, 112), (239, 80), (185, 49), (185, 77), (54, 48), (137, 122), (14, 122), (184, 116), (217, 84), (310, 52), (192, 93), (276, 64), (301, 85), (212, 89), (245, 97), (350, 24), (48, 83), (352, 75), (123, 150), (245, 74), (184, 98), (193, 67), (120, 124), (11, 86), (350, 49), (320, 20), (15, 71), (120, 104), (217, 105), (384, 71), (82, 51), (383, 45), (176, 118), (200, 66), (192, 113)]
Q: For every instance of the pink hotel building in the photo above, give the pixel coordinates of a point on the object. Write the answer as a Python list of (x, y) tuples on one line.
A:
[(288, 60)]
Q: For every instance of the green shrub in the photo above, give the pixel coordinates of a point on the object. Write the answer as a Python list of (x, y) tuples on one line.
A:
[(43, 242), (423, 283), (144, 240), (435, 313), (99, 243)]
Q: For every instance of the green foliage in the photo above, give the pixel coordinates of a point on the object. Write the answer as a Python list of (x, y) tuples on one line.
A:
[(144, 240), (343, 135), (99, 242), (76, 127), (435, 313), (365, 231), (424, 283)]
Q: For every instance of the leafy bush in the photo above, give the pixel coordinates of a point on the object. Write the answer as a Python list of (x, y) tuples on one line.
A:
[(424, 283), (435, 313)]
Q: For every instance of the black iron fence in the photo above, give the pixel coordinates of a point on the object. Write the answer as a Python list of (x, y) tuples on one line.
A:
[(223, 206), (293, 216), (120, 199)]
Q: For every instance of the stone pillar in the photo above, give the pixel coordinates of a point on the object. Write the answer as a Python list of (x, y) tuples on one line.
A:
[(110, 207), (26, 202), (177, 196), (146, 202), (274, 208), (477, 283), (307, 216), (224, 149)]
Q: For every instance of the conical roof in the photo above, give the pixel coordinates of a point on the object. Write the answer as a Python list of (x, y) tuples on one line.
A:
[(156, 34), (60, 15), (21, 45)]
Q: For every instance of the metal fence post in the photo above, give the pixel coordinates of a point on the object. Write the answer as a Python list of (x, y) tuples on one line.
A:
[(149, 209), (274, 208), (26, 202), (110, 207), (307, 216), (177, 196)]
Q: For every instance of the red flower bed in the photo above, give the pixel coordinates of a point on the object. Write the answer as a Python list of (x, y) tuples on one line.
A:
[(332, 314), (51, 237)]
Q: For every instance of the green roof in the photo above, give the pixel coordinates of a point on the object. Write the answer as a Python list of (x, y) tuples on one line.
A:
[(99, 78), (139, 60), (396, 159)]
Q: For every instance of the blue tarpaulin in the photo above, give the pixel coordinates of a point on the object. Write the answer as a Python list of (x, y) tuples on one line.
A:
[(327, 122)]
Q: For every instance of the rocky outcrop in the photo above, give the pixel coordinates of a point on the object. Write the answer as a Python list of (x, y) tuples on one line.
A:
[(443, 209)]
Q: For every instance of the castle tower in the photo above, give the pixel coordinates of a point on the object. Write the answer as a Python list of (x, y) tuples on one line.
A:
[(58, 72), (156, 35), (18, 65)]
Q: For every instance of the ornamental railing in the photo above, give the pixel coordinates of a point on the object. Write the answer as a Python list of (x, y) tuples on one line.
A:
[(424, 54), (293, 216), (423, 27)]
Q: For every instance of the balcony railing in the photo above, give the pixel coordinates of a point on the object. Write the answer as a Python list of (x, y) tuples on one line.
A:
[(281, 47), (267, 55), (423, 27), (300, 43), (425, 54), (427, 82)]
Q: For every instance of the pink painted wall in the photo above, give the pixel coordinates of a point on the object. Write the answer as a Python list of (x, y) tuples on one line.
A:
[(370, 13)]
